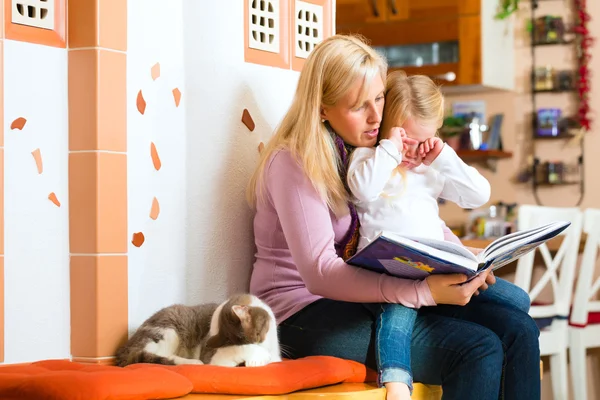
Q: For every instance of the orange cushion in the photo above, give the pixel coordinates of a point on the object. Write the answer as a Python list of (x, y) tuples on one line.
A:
[(277, 378), (62, 380)]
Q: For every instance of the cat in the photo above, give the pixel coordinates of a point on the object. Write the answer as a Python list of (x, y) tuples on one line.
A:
[(243, 330), (240, 330)]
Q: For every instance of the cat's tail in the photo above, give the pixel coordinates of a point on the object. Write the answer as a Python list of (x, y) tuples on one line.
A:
[(142, 357)]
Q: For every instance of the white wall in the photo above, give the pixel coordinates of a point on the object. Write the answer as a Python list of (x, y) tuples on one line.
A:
[(201, 246), (36, 279)]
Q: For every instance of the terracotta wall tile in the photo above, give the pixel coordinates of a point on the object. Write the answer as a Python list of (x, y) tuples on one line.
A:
[(1, 308), (94, 23), (112, 101), (1, 201), (83, 170), (2, 11), (112, 203), (98, 304), (83, 115), (83, 23), (113, 24), (98, 177), (98, 100), (98, 203), (1, 90)]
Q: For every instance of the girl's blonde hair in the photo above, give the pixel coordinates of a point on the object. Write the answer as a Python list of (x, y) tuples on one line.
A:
[(331, 69), (415, 96)]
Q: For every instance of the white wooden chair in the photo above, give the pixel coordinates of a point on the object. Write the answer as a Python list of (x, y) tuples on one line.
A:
[(560, 273), (584, 332)]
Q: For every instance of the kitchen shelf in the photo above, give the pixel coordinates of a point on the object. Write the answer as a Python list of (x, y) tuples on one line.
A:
[(547, 184), (557, 137), (563, 132), (539, 44), (570, 90), (482, 155)]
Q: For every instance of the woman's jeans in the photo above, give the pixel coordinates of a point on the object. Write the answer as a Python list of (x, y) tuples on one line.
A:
[(487, 349)]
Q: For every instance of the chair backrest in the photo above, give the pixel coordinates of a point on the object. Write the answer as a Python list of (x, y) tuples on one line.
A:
[(560, 270), (586, 286)]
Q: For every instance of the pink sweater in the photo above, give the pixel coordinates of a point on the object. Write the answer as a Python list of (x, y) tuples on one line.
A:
[(296, 262)]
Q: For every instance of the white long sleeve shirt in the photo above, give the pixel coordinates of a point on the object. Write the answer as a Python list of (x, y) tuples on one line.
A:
[(408, 205)]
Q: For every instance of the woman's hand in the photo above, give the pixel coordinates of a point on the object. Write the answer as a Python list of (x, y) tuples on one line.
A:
[(491, 279), (447, 289)]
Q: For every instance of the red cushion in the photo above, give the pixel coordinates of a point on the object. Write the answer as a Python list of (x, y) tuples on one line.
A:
[(593, 318)]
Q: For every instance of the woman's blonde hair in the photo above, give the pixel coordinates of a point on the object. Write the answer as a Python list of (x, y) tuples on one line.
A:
[(415, 96), (331, 69)]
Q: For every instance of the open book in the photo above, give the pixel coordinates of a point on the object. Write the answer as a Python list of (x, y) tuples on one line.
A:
[(416, 258)]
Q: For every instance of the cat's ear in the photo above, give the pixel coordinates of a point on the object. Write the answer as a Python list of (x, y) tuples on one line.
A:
[(240, 311)]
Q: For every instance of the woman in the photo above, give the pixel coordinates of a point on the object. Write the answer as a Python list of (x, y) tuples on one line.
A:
[(304, 222)]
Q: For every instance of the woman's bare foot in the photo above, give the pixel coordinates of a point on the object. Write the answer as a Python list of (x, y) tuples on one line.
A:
[(397, 391)]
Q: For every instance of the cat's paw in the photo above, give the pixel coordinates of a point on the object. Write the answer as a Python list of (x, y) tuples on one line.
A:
[(186, 361), (224, 358), (257, 357)]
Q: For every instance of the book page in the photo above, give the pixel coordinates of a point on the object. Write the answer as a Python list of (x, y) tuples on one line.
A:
[(510, 251), (444, 245), (505, 241)]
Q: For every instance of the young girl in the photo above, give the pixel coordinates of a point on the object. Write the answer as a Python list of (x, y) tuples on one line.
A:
[(395, 185)]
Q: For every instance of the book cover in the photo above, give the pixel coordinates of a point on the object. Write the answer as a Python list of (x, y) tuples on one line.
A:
[(385, 256)]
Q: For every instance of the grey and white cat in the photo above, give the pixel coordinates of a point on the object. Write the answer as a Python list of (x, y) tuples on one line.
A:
[(240, 330)]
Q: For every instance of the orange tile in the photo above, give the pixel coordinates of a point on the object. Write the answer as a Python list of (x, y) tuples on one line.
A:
[(2, 12), (1, 201), (83, 23), (23, 33), (94, 23), (2, 308), (112, 101), (99, 313), (1, 91), (97, 100), (113, 24), (98, 203), (82, 91)]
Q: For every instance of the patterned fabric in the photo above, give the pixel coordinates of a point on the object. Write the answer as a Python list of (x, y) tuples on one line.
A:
[(347, 247)]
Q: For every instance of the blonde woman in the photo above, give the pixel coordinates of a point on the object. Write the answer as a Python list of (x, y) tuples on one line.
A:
[(304, 224)]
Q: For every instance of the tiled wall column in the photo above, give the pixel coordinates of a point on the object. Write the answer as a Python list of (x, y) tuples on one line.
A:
[(97, 38)]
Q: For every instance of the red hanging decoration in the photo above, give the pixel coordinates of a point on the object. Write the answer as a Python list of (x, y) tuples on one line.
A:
[(585, 42)]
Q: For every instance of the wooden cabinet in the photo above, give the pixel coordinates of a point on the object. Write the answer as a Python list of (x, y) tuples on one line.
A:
[(353, 12), (457, 42)]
